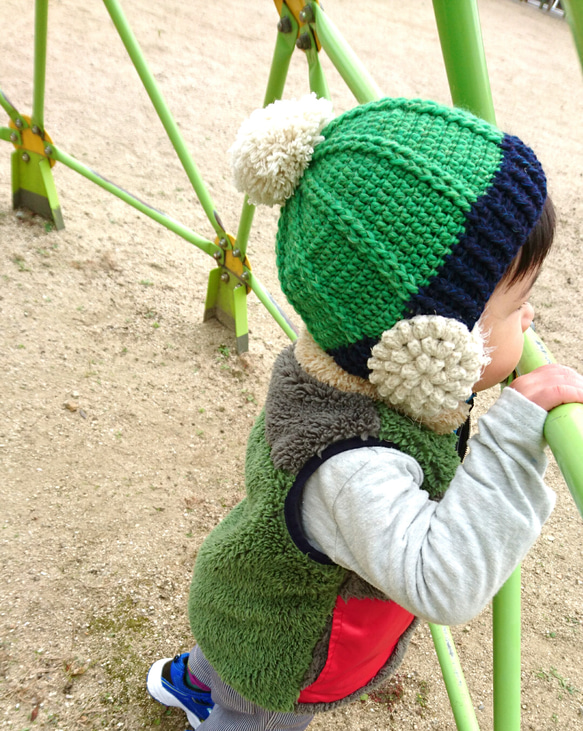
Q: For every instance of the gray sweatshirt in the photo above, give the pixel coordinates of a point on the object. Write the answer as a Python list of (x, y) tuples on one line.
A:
[(443, 561)]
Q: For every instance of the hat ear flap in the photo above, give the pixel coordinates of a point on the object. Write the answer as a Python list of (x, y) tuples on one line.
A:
[(427, 365), (275, 145)]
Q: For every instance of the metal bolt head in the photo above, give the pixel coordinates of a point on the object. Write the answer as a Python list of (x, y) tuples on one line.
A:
[(36, 129), (13, 137), (284, 25), (307, 14), (218, 255), (304, 42), (223, 243), (19, 123), (225, 277), (245, 276), (236, 253), (48, 150), (25, 156)]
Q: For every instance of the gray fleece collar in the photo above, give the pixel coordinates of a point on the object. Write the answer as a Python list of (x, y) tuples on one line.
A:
[(303, 415)]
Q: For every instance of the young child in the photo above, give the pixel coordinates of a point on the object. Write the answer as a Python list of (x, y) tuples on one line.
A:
[(409, 239)]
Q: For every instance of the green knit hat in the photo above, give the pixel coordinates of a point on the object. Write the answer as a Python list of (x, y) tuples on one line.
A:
[(400, 208)]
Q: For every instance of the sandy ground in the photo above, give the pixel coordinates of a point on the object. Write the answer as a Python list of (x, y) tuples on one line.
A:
[(123, 418)]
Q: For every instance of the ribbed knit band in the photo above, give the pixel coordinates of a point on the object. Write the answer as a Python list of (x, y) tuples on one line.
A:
[(407, 208)]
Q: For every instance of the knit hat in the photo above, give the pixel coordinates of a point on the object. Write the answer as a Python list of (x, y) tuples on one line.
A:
[(399, 219)]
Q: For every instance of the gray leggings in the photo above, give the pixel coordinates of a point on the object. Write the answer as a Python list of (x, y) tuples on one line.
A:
[(232, 712)]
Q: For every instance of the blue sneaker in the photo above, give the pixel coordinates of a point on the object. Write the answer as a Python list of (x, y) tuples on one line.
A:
[(166, 685)]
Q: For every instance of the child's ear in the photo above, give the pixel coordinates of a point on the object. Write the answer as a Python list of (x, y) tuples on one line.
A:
[(427, 365)]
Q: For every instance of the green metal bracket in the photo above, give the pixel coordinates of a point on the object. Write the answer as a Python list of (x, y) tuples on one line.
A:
[(226, 300), (33, 186)]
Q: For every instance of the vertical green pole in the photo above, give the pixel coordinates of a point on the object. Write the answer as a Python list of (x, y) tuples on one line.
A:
[(574, 12), (458, 24), (506, 617), (460, 35), (40, 62), (283, 51), (457, 690)]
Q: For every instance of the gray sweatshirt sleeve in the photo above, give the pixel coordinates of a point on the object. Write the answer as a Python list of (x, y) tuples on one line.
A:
[(443, 561)]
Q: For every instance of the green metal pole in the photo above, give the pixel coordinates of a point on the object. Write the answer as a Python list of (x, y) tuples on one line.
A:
[(207, 246), (563, 426), (5, 134), (40, 62), (458, 24), (174, 135), (457, 690), (6, 104), (284, 48), (506, 620), (272, 307), (283, 51), (574, 12), (349, 66), (318, 83)]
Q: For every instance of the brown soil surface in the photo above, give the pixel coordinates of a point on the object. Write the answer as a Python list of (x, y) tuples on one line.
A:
[(123, 418)]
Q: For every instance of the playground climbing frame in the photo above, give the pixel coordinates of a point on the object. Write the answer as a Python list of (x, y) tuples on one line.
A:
[(307, 27)]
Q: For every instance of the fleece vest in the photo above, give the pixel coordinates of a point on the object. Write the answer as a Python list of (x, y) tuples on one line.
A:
[(270, 612)]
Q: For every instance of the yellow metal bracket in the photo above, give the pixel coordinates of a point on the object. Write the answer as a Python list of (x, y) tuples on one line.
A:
[(30, 138), (33, 186), (233, 262), (298, 9)]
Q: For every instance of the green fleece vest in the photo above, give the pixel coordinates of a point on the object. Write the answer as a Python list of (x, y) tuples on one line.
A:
[(258, 606)]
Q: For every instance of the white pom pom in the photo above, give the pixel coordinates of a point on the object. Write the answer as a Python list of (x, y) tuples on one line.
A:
[(275, 145)]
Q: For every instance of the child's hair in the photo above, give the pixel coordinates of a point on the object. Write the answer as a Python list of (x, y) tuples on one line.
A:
[(399, 218), (535, 250)]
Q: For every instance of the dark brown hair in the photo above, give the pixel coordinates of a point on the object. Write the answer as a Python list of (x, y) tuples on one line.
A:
[(531, 256)]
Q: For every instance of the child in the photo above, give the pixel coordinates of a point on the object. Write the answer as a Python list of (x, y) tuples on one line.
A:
[(409, 239)]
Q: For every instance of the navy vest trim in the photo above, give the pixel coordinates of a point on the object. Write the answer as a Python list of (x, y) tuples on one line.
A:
[(293, 500)]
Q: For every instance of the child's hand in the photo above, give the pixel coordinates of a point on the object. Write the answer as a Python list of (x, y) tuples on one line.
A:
[(551, 385)]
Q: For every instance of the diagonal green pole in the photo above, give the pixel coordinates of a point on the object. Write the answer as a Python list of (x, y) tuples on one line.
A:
[(346, 62), (563, 426), (172, 225), (10, 110), (137, 57), (40, 62), (457, 690)]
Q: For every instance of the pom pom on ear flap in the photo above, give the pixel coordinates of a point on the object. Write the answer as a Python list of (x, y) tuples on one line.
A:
[(275, 145), (427, 365)]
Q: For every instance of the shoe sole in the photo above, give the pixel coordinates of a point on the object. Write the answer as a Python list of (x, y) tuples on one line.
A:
[(163, 696)]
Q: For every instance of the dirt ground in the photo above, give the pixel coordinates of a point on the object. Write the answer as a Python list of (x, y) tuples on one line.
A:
[(123, 418)]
